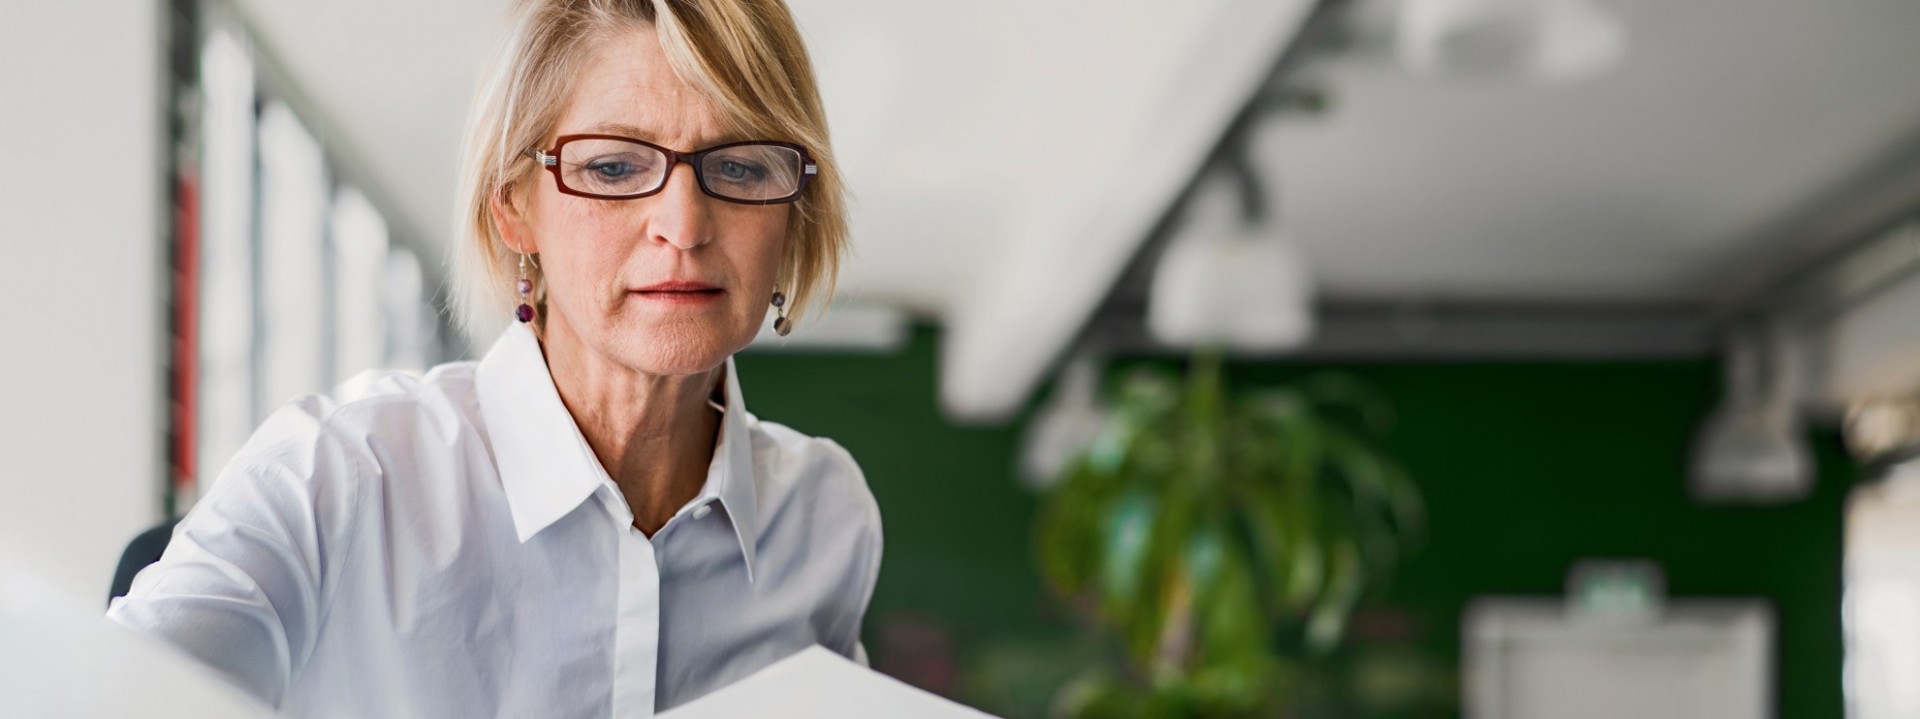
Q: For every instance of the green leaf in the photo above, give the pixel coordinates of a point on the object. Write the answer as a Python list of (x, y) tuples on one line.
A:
[(1232, 626), (1345, 581), (1128, 537)]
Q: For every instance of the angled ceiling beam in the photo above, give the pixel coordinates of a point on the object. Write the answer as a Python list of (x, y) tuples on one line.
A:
[(1045, 291)]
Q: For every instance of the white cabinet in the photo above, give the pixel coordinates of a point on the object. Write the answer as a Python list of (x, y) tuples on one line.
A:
[(1694, 659)]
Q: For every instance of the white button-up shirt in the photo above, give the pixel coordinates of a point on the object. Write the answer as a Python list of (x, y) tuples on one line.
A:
[(449, 545)]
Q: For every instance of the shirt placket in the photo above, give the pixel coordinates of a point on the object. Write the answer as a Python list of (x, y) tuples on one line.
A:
[(637, 634)]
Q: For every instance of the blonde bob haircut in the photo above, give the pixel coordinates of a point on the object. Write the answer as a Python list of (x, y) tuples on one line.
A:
[(745, 56)]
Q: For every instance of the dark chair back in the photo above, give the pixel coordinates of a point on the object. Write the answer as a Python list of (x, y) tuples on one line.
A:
[(142, 551)]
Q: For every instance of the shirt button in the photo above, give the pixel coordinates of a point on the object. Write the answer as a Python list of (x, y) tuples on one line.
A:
[(701, 511)]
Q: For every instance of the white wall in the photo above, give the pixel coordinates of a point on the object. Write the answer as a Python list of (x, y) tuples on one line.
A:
[(82, 265)]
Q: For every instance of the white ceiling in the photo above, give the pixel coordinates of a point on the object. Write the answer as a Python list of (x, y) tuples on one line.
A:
[(1653, 183), (1007, 157)]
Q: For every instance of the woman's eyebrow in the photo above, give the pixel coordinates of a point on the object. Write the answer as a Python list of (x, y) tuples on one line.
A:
[(616, 128), (625, 130)]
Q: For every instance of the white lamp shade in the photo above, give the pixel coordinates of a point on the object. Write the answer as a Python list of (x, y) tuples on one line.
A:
[(1064, 426), (1752, 449), (1221, 282), (1547, 41), (1751, 455)]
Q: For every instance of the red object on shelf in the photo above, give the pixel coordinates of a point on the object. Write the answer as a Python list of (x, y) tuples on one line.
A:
[(186, 335)]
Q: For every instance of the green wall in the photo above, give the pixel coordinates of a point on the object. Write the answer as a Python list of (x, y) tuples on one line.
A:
[(1526, 467)]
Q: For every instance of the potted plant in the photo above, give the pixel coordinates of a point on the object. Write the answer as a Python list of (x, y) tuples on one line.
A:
[(1219, 537)]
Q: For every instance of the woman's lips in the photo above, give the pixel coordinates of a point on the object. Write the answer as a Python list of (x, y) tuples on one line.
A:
[(679, 292)]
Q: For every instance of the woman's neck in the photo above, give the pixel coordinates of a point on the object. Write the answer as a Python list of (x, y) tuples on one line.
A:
[(654, 434)]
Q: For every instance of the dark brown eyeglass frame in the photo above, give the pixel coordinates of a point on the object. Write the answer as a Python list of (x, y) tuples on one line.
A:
[(550, 159)]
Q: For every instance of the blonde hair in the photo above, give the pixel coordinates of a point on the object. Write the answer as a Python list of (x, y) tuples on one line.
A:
[(745, 56)]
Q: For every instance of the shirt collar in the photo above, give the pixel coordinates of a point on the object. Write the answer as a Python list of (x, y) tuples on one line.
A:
[(546, 466)]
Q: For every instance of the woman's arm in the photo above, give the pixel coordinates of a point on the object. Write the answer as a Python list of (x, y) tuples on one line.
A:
[(244, 583), (864, 513)]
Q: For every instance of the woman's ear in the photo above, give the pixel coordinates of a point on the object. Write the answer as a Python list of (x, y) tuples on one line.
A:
[(507, 217)]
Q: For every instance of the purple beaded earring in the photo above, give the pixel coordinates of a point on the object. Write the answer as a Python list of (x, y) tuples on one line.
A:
[(780, 324), (524, 312)]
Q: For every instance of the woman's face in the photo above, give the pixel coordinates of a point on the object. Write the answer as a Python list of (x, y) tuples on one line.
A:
[(600, 256)]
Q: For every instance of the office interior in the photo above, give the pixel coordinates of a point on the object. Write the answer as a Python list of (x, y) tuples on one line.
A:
[(1615, 302)]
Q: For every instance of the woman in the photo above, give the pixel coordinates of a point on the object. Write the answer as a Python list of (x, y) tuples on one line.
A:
[(586, 522)]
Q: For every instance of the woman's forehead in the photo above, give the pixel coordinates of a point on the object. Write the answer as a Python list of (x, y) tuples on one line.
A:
[(627, 87)]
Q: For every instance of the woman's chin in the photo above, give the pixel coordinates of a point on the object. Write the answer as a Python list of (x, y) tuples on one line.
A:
[(676, 348)]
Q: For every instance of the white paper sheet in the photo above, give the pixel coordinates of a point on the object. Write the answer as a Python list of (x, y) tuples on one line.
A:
[(59, 658), (819, 684)]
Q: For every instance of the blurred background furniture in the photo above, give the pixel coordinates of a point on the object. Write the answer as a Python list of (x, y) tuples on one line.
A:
[(1692, 659), (145, 549)]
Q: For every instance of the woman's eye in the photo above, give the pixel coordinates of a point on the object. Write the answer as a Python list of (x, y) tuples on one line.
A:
[(610, 169), (734, 171)]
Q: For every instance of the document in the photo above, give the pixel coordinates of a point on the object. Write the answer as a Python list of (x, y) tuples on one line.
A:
[(819, 684)]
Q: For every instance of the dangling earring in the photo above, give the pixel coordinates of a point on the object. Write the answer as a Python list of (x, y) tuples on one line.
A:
[(524, 312), (780, 325)]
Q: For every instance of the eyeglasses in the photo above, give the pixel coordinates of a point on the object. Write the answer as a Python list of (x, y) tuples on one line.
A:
[(610, 167)]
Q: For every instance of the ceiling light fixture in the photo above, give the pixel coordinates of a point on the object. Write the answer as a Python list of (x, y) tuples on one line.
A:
[(1064, 426), (1225, 280), (1753, 448), (1545, 41)]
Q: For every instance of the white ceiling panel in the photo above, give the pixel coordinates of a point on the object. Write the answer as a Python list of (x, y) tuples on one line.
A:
[(1649, 184)]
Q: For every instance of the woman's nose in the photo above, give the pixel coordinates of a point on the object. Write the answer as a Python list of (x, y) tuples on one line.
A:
[(680, 214)]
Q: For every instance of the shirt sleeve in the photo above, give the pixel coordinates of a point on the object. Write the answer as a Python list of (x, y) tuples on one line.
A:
[(864, 567), (874, 544), (244, 582)]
